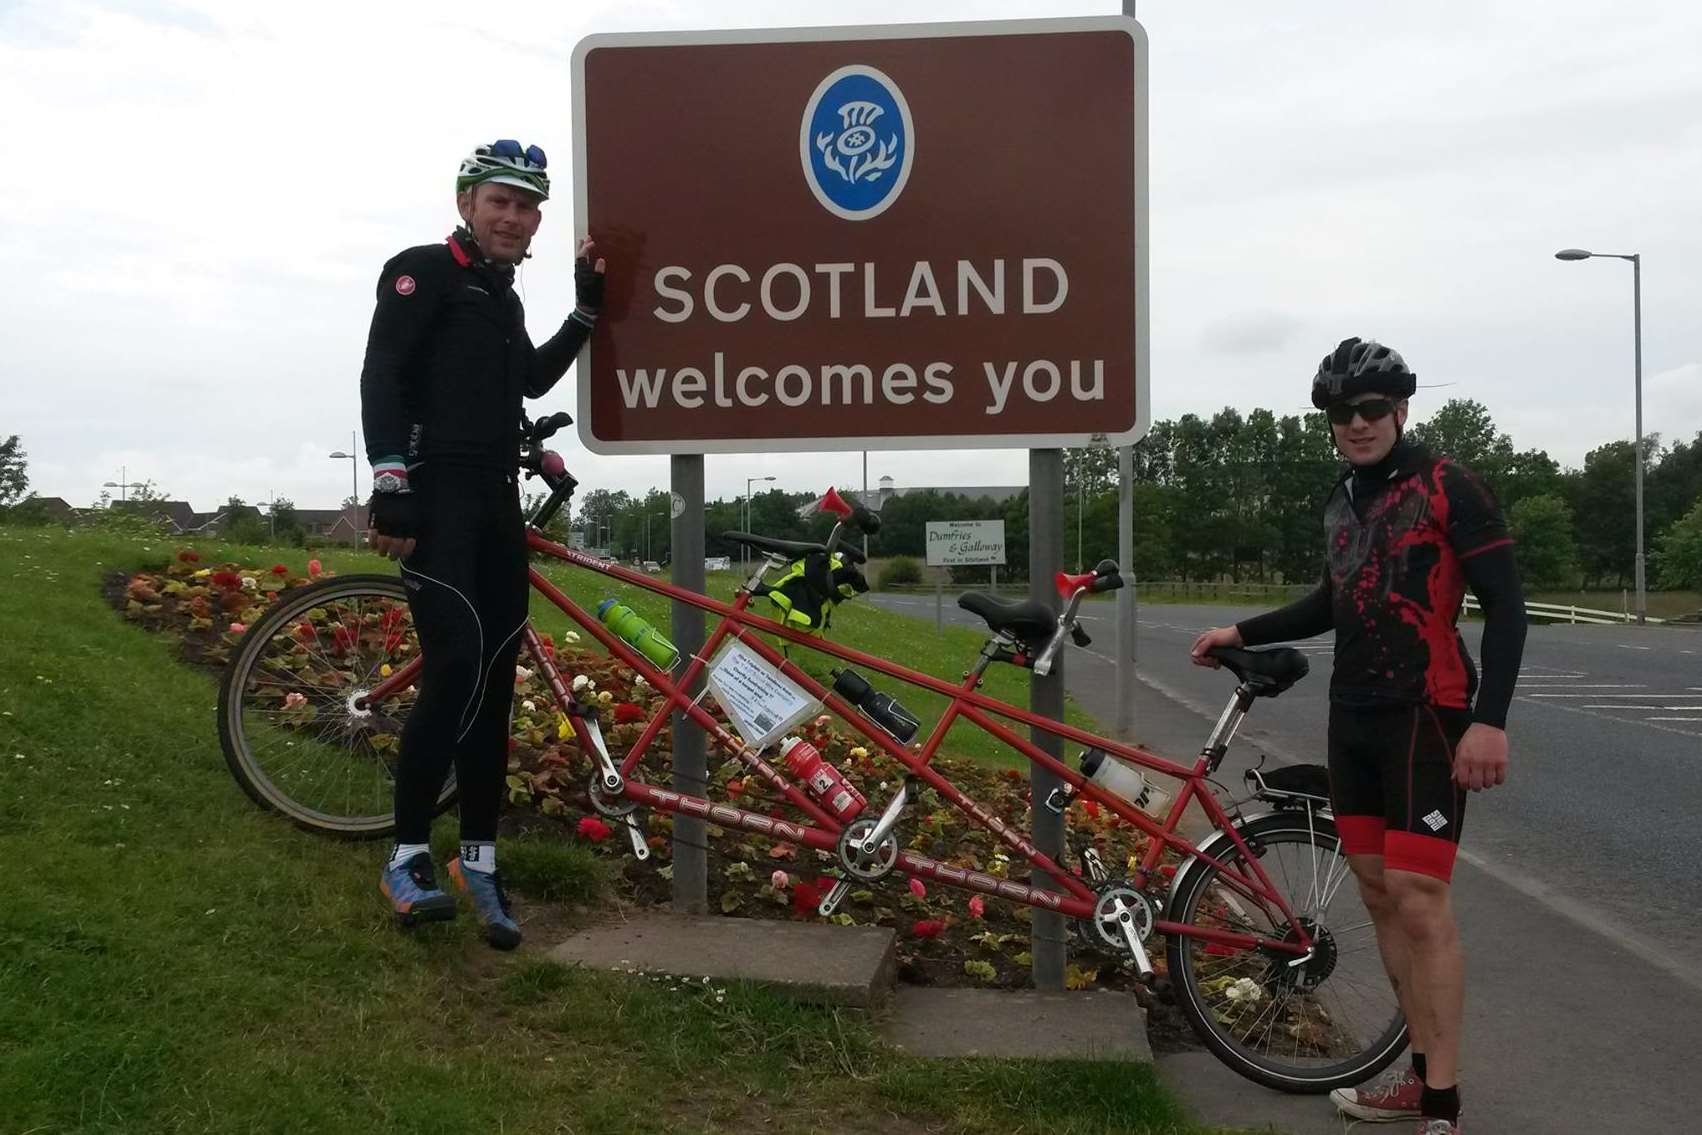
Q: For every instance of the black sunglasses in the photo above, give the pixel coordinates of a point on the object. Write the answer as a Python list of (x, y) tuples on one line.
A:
[(1372, 410)]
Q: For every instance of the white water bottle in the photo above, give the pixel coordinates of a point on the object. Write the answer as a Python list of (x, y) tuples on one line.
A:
[(1126, 781)]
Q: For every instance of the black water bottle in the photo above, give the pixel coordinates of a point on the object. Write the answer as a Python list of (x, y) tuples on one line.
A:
[(882, 709)]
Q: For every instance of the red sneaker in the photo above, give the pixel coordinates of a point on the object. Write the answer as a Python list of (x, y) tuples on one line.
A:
[(1396, 1096)]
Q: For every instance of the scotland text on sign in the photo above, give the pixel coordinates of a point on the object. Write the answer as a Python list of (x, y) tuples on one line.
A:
[(960, 543)]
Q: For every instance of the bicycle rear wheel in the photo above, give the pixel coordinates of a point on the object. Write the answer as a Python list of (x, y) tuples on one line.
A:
[(292, 724), (1330, 1022)]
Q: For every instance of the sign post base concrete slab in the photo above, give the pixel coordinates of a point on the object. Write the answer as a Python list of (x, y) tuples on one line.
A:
[(1018, 1024), (836, 965)]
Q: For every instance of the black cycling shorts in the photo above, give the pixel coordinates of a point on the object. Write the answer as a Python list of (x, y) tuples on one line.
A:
[(1392, 784)]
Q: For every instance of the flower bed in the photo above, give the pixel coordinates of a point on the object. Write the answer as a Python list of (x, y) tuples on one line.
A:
[(946, 936)]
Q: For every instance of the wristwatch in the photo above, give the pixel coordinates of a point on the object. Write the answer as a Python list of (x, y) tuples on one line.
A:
[(389, 483)]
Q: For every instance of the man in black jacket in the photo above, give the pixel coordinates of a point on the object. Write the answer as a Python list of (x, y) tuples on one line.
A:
[(448, 360), (1406, 534)]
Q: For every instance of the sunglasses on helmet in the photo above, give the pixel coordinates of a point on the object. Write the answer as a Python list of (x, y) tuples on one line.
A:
[(509, 148), (1372, 410)]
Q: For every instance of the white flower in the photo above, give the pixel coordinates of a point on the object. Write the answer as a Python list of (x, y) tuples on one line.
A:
[(521, 674), (638, 681), (571, 636), (529, 706), (580, 682), (249, 583), (1246, 989)]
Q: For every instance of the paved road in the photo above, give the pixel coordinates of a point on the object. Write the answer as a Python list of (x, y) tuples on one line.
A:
[(1580, 897)]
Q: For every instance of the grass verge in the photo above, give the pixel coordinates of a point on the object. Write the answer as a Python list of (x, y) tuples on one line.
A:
[(171, 959)]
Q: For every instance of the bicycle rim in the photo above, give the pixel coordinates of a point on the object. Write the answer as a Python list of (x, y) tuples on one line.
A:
[(1331, 1022), (293, 731)]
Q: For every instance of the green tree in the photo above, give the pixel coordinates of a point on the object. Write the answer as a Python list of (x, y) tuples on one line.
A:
[(243, 523), (14, 472), (1462, 429), (285, 525), (1679, 551), (1675, 484), (1542, 535), (1603, 499)]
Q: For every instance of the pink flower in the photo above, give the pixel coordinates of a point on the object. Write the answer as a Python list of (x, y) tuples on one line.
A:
[(917, 888), (294, 700), (928, 928), (313, 567), (779, 880), (593, 829), (977, 906), (237, 628)]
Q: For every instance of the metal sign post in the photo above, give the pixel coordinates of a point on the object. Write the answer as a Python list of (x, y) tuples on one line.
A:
[(1046, 697), (691, 768)]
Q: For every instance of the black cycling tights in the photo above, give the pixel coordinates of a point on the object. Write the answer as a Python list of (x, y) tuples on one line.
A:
[(467, 587)]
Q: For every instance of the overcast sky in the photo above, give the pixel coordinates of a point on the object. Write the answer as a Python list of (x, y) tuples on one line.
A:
[(199, 196)]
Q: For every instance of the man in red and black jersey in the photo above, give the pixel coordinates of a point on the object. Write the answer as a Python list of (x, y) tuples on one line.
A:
[(1412, 728)]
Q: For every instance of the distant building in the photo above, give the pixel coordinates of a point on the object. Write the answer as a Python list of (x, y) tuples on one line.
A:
[(345, 525), (997, 494), (173, 516)]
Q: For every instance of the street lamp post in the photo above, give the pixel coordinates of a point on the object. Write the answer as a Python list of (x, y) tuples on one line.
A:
[(749, 481), (354, 467), (123, 483), (1637, 440)]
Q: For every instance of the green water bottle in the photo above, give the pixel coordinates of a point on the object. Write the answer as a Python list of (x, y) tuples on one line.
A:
[(637, 633)]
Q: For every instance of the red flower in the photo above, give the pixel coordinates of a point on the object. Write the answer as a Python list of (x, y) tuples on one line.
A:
[(305, 633), (928, 928), (1091, 807), (189, 556), (225, 579), (280, 569), (1013, 774), (593, 829), (343, 637), (918, 888), (625, 711), (807, 895), (977, 906), (313, 568), (735, 786)]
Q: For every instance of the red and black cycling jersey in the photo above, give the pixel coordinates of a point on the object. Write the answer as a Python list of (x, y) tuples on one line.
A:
[(448, 361), (1404, 540)]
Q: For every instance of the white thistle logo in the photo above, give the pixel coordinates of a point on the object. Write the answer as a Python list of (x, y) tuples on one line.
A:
[(856, 137), (857, 142)]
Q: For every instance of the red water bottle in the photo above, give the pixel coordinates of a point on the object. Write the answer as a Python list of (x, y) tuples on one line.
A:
[(831, 790)]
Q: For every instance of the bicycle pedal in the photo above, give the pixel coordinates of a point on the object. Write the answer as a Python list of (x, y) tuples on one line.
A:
[(834, 897)]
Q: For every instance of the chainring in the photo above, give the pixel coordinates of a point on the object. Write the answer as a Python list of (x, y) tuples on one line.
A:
[(862, 865)]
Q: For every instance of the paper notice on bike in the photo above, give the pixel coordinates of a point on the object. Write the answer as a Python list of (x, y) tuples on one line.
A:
[(760, 701)]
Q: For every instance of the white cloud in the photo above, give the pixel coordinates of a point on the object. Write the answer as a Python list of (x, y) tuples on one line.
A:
[(202, 194)]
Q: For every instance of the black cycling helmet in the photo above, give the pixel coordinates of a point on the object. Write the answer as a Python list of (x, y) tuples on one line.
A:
[(1361, 366)]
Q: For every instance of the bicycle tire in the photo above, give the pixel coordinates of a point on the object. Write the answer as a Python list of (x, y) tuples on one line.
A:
[(1217, 1016), (331, 734)]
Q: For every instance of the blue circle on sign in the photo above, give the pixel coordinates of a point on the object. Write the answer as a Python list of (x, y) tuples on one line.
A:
[(857, 142)]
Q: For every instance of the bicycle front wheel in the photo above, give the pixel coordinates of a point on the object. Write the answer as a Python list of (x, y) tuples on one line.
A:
[(297, 731), (1329, 1022)]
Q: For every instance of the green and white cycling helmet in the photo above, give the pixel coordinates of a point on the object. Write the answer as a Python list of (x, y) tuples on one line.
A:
[(505, 162)]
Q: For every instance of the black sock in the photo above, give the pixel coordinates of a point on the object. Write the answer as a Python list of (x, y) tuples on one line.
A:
[(1418, 1065), (1441, 1103)]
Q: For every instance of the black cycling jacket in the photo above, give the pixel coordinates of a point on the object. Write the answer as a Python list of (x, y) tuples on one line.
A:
[(1406, 539), (448, 361)]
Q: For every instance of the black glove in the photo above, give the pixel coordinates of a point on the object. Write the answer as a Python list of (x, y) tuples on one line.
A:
[(394, 514), (587, 287)]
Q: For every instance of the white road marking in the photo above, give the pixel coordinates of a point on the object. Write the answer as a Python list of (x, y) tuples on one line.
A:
[(1643, 707), (1606, 717), (1580, 686), (1628, 646), (1696, 719)]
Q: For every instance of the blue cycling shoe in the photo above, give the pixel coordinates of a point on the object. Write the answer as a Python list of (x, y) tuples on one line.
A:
[(490, 903), (413, 892)]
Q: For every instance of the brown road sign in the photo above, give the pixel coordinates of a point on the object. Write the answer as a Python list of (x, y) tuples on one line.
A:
[(908, 237)]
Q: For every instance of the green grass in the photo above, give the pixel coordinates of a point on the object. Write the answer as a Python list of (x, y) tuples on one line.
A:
[(174, 960)]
